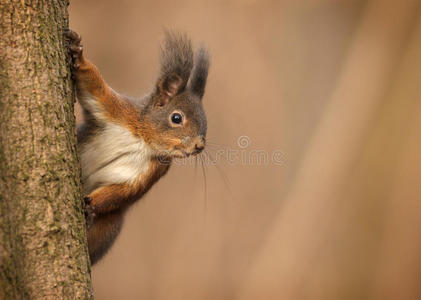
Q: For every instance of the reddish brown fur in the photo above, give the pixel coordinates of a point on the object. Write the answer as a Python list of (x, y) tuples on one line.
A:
[(111, 197), (103, 232), (108, 203), (115, 108)]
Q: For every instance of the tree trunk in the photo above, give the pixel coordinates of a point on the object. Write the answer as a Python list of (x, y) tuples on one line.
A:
[(43, 249)]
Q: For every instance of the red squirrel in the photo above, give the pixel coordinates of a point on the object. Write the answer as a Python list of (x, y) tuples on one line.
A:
[(126, 145)]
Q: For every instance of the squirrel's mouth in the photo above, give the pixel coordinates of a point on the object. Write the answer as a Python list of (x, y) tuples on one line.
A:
[(194, 147), (187, 147), (181, 153)]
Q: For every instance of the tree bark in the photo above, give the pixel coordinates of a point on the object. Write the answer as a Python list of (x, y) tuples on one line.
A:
[(43, 249)]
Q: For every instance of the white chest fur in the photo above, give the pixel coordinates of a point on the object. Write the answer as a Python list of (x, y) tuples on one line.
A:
[(114, 156)]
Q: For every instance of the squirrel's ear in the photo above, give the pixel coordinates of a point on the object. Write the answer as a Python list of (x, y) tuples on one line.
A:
[(168, 87), (176, 65), (199, 74)]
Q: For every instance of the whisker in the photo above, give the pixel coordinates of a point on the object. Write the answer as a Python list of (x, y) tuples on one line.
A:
[(216, 144), (217, 152), (215, 148), (195, 167), (205, 208), (224, 177), (195, 171)]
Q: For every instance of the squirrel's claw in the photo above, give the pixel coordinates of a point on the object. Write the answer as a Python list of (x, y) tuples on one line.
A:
[(73, 36), (87, 200), (75, 47)]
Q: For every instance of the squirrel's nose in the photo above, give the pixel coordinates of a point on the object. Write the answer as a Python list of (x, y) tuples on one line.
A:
[(200, 144)]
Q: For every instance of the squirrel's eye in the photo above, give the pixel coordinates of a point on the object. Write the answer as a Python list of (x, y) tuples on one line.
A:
[(176, 118)]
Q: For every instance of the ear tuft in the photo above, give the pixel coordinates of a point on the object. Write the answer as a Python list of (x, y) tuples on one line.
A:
[(199, 74), (176, 64)]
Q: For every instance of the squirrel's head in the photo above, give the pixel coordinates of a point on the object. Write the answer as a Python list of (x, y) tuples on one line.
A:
[(173, 114)]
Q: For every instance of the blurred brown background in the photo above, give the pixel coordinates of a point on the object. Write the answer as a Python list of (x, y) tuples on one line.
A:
[(332, 87)]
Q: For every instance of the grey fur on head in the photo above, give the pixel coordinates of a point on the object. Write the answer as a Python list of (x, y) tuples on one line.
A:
[(176, 55), (199, 75), (177, 58)]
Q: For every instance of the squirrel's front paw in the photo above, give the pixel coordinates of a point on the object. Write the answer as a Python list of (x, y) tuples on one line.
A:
[(75, 47), (89, 212)]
